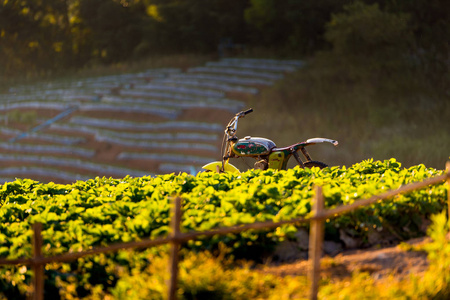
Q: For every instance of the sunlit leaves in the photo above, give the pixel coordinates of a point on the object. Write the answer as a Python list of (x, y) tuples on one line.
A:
[(101, 211), (152, 11)]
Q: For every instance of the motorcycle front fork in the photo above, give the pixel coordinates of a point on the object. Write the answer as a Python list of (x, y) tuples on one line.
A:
[(297, 157)]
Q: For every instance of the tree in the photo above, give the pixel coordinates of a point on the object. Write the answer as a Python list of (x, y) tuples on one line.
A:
[(365, 36), (296, 24), (35, 35), (111, 30), (196, 25), (431, 28)]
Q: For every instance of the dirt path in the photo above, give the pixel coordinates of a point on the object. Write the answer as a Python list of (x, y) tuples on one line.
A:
[(379, 262)]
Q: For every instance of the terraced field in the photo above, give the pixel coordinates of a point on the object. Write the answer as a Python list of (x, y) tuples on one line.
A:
[(153, 122)]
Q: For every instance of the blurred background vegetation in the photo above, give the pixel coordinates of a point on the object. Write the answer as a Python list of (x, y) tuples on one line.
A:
[(376, 76)]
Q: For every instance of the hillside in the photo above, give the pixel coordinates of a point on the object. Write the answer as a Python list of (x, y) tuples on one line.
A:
[(152, 122)]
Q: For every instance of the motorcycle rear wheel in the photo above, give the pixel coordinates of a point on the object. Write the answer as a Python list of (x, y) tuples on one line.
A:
[(314, 163)]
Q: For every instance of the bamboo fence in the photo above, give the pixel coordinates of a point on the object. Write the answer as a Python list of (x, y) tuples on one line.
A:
[(176, 237)]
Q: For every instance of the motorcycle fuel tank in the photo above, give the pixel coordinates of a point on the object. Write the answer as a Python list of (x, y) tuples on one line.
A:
[(252, 146)]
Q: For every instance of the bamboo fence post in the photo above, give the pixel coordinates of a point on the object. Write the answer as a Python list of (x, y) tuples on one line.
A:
[(38, 268), (447, 171), (174, 248), (315, 243)]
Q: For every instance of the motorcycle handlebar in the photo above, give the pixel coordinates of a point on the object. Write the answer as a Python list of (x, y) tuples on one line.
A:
[(248, 111), (232, 126), (245, 112)]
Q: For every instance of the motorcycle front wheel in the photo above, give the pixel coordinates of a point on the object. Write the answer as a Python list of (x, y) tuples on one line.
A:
[(314, 163)]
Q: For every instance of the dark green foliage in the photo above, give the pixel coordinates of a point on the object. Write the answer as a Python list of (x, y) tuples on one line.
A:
[(114, 30), (370, 43), (49, 35), (194, 25), (298, 24)]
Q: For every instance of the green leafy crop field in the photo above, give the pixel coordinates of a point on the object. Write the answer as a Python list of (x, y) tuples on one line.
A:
[(102, 211)]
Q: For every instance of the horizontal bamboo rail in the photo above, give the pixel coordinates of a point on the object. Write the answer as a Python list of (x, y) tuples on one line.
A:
[(402, 190), (176, 238)]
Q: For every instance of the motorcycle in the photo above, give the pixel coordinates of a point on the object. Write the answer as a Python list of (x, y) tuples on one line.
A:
[(266, 153)]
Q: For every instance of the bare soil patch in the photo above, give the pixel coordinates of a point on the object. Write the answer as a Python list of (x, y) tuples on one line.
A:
[(378, 262)]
